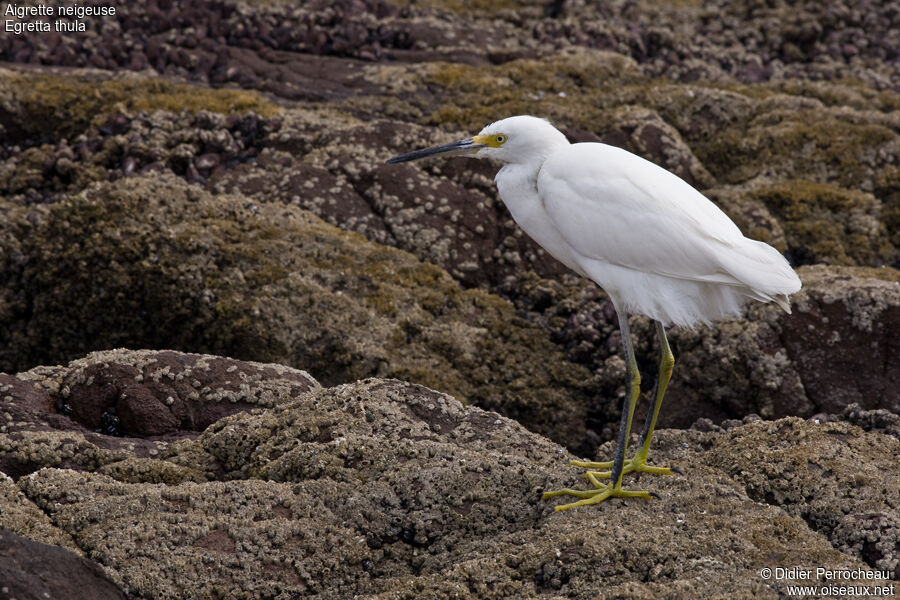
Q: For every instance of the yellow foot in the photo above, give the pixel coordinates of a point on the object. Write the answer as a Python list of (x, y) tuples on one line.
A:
[(594, 496), (635, 465)]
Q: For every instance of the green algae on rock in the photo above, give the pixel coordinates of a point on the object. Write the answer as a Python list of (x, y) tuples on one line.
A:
[(155, 262), (803, 140), (824, 223), (56, 105)]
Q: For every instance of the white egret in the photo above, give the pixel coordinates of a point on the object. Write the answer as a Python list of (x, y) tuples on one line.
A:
[(657, 246)]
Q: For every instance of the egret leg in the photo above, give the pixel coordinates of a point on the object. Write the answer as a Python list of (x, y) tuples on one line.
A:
[(638, 464), (612, 489), (666, 364)]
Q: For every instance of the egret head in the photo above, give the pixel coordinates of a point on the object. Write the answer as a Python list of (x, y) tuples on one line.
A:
[(512, 140)]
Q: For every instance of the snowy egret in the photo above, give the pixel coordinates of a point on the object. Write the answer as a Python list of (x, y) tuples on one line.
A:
[(657, 246)]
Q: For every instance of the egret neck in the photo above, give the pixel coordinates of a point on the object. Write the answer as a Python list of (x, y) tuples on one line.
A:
[(517, 184)]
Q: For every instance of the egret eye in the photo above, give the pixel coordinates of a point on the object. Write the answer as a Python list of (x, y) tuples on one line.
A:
[(683, 260)]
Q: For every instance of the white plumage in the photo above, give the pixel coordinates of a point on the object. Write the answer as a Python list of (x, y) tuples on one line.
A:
[(655, 244)]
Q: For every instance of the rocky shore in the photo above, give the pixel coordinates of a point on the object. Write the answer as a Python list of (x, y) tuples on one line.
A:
[(241, 357)]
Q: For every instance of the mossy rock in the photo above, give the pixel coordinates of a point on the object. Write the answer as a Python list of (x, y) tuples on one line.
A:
[(157, 263), (52, 106), (567, 89), (824, 223), (839, 134)]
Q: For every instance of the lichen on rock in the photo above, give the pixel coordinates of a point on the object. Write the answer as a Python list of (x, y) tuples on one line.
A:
[(206, 181), (380, 487)]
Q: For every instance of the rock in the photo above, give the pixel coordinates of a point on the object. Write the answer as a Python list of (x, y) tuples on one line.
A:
[(22, 517), (716, 376), (854, 312), (331, 163), (834, 201), (165, 393), (140, 210), (55, 416), (448, 215), (384, 488), (121, 145), (182, 268), (31, 570), (777, 364), (825, 474), (880, 420), (768, 363), (644, 133), (221, 41), (814, 235)]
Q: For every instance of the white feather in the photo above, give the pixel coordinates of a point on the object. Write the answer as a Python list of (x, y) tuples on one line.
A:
[(654, 243)]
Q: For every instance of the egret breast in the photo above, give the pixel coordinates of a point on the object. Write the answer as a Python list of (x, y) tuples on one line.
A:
[(518, 190)]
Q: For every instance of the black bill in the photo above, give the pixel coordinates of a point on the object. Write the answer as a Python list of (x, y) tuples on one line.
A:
[(466, 146)]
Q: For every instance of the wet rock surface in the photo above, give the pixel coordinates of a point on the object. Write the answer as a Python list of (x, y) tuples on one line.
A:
[(207, 180)]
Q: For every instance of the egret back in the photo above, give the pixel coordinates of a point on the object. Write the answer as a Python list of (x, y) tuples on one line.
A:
[(653, 242)]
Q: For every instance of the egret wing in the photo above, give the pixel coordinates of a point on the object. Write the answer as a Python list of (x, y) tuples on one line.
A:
[(613, 206)]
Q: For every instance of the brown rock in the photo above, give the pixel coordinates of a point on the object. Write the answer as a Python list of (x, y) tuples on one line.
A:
[(830, 475), (31, 570), (160, 393), (114, 410), (165, 264), (836, 349), (644, 133), (383, 488)]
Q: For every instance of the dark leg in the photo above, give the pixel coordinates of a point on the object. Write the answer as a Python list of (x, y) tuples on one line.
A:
[(613, 489), (638, 464), (634, 390)]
